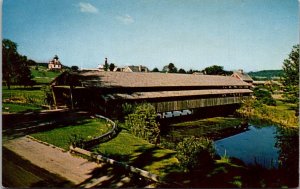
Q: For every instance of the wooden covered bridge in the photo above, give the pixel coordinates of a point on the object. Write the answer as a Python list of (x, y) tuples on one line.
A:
[(107, 91)]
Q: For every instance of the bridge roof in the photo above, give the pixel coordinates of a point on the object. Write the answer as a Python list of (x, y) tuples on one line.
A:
[(138, 79)]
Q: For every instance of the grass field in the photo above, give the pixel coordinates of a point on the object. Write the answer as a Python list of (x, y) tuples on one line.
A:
[(20, 99), (42, 75), (86, 129), (138, 152), (125, 147), (18, 108)]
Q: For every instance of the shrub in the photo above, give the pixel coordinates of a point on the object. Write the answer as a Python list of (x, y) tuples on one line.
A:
[(48, 98), (142, 123), (194, 153), (77, 140), (264, 96)]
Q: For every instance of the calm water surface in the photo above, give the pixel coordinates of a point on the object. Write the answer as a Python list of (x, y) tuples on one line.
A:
[(255, 145)]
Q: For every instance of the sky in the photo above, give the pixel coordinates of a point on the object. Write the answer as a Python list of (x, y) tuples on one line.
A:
[(193, 34)]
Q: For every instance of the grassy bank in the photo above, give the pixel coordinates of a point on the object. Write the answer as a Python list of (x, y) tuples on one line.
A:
[(42, 75), (283, 114), (213, 128), (19, 108), (125, 147), (86, 129), (138, 152), (21, 99)]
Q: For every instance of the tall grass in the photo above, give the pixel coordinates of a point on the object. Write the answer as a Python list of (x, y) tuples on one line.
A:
[(254, 110)]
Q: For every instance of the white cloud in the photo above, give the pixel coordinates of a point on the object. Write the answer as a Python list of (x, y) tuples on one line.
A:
[(88, 8), (125, 19)]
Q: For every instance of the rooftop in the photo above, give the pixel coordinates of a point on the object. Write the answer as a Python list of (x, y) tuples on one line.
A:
[(141, 79)]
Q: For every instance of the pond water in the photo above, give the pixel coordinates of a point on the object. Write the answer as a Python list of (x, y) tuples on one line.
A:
[(257, 145), (268, 145)]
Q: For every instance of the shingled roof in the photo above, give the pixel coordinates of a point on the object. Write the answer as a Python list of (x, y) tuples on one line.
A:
[(242, 75), (138, 79)]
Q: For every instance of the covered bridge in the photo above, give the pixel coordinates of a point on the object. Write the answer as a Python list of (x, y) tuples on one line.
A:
[(107, 91)]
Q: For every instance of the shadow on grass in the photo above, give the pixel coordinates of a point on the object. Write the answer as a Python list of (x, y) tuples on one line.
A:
[(17, 125), (109, 176), (232, 174)]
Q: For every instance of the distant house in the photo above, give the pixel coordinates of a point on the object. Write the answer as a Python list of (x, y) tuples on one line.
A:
[(139, 68), (118, 69), (55, 64), (240, 74)]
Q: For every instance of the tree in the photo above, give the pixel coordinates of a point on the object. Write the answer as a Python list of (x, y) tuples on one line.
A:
[(214, 70), (15, 66), (74, 68), (170, 68), (142, 123), (155, 70), (106, 65), (181, 71), (112, 66), (290, 78), (264, 96), (194, 153)]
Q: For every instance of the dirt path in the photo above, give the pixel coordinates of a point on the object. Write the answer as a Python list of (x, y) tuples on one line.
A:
[(77, 170)]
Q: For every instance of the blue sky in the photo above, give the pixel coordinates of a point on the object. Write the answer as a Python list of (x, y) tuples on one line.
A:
[(248, 34)]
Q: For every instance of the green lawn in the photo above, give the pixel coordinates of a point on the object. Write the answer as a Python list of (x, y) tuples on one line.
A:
[(61, 136), (125, 147), (21, 99), (42, 75), (284, 106), (24, 95), (222, 122), (17, 108), (204, 127), (138, 152)]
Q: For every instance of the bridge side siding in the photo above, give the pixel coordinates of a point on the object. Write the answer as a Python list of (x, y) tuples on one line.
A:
[(196, 103)]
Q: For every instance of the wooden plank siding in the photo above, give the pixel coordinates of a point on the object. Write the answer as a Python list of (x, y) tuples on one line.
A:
[(196, 103)]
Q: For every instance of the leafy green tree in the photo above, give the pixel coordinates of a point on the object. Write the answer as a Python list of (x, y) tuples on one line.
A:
[(170, 68), (181, 70), (191, 71), (155, 70), (290, 78), (106, 65), (48, 97), (15, 66), (74, 68), (142, 123), (214, 70), (264, 96), (194, 153), (112, 66)]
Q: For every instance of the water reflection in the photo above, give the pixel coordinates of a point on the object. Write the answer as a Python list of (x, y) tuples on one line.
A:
[(254, 146)]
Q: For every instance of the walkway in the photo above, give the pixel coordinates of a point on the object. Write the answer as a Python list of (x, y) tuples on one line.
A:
[(77, 170)]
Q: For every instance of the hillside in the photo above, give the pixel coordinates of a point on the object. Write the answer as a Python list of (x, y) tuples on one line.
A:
[(42, 75), (266, 74)]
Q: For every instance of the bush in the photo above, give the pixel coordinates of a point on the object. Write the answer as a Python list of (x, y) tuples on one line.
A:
[(194, 153), (142, 123), (77, 140), (264, 96), (48, 97)]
